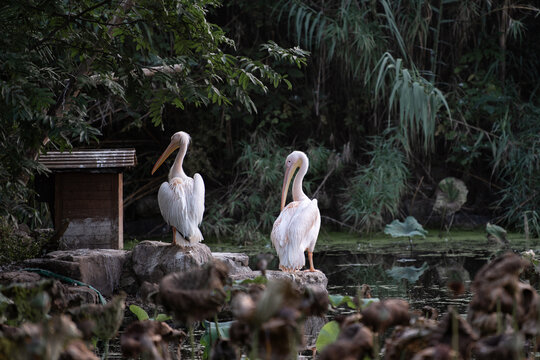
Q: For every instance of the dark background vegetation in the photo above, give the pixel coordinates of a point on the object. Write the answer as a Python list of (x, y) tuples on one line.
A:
[(393, 97)]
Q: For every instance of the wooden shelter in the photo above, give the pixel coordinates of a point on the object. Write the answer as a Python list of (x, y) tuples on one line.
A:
[(85, 192)]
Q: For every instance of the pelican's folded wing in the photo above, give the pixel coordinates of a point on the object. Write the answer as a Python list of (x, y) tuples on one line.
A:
[(197, 200), (172, 199), (279, 230), (305, 225)]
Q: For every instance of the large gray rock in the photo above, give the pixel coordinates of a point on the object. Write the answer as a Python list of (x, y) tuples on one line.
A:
[(151, 260), (13, 277), (300, 279), (101, 268), (237, 263)]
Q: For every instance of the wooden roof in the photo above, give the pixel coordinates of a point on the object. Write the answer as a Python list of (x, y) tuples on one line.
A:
[(89, 159)]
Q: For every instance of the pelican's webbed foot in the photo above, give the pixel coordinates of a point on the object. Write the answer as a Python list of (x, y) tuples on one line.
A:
[(288, 269)]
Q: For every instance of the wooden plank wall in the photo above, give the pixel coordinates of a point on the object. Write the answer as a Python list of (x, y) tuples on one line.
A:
[(92, 202)]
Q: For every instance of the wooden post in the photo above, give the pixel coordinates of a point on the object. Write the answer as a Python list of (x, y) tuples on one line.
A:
[(120, 217)]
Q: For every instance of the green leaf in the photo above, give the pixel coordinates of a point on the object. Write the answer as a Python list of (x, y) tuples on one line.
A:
[(451, 195), (139, 312), (409, 228), (328, 334), (178, 103), (163, 317), (366, 302), (210, 334), (496, 231), (337, 300)]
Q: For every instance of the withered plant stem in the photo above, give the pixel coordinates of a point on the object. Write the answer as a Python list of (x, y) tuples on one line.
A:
[(376, 346), (499, 318), (217, 329), (192, 340), (105, 350), (255, 344), (455, 334)]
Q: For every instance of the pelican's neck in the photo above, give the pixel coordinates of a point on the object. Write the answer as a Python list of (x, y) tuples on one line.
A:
[(297, 192), (176, 168)]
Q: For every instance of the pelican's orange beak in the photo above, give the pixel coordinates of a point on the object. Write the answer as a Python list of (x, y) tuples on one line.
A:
[(289, 172), (168, 151)]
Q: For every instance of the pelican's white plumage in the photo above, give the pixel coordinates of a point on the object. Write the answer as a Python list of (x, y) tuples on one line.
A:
[(181, 199), (297, 227)]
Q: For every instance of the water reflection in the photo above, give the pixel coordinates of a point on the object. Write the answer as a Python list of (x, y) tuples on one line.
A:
[(347, 270)]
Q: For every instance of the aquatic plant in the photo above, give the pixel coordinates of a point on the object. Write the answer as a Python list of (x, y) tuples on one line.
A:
[(46, 340), (405, 341), (351, 302), (409, 273), (496, 233), (224, 350), (268, 319), (142, 315), (327, 335), (499, 347), (213, 336), (355, 341), (194, 295), (450, 196), (98, 321), (501, 301), (408, 228), (381, 315), (150, 339), (455, 332), (30, 301), (101, 321)]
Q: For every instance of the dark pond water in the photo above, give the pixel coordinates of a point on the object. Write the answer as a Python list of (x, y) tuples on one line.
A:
[(351, 264), (346, 271)]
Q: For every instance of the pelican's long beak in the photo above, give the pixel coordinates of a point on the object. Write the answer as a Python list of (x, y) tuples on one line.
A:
[(289, 172), (168, 151)]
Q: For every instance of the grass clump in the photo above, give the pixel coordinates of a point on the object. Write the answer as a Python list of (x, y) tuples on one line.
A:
[(17, 244), (373, 195)]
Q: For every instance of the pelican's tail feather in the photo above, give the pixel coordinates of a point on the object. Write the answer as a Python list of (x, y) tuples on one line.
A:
[(196, 237), (182, 240)]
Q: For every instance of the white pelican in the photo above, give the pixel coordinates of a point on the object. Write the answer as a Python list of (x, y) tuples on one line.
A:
[(181, 199), (297, 226)]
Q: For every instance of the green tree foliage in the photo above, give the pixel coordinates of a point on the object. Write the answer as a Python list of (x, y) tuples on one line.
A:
[(351, 40), (66, 67), (393, 91), (457, 80)]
